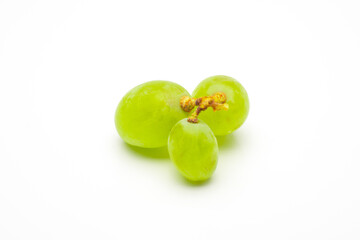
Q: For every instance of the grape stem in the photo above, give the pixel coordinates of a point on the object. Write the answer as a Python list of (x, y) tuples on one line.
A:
[(216, 101)]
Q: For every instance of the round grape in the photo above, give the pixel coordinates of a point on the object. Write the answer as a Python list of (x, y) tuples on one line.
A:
[(146, 114), (193, 149), (224, 122)]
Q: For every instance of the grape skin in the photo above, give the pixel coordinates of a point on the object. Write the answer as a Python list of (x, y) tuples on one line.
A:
[(224, 122), (146, 114), (193, 149)]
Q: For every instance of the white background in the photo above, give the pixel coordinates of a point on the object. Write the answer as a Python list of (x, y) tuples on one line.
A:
[(292, 171)]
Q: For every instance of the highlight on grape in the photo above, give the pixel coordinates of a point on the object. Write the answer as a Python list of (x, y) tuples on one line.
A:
[(159, 113)]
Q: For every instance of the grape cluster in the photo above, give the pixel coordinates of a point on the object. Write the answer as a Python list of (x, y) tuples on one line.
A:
[(160, 113)]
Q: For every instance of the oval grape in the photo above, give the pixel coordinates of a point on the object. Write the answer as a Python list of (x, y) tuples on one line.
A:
[(224, 122), (146, 114), (193, 149)]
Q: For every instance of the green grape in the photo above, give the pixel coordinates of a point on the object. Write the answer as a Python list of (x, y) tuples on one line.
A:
[(224, 122), (193, 149), (146, 114)]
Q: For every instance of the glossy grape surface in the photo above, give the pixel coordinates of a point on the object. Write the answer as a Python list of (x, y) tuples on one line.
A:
[(193, 149), (224, 122), (146, 114)]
